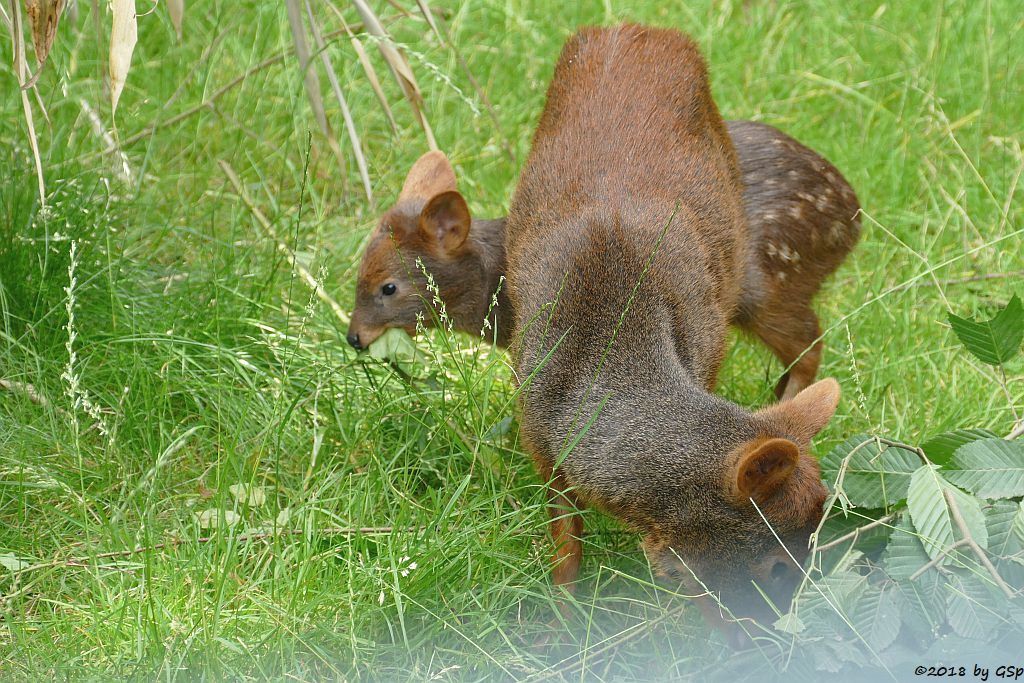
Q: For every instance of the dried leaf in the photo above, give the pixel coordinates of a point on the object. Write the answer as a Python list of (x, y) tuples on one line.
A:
[(21, 71), (253, 496), (214, 518), (123, 36), (43, 15), (176, 8), (12, 562)]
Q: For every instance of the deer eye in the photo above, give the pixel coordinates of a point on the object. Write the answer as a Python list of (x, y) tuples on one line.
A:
[(389, 289)]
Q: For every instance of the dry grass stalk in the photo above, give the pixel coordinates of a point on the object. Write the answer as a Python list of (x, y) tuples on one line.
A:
[(309, 76), (350, 126), (480, 92), (268, 228), (21, 71), (399, 66), (371, 73), (176, 8), (207, 104), (122, 169), (28, 390), (124, 34)]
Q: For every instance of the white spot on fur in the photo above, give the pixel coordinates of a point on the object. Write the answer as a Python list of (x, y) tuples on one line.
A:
[(836, 230), (783, 252), (796, 211)]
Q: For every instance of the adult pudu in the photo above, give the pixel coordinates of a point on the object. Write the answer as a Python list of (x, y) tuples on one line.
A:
[(429, 232), (801, 222), (626, 247)]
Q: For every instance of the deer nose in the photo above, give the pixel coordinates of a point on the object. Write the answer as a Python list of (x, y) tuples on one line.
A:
[(353, 339)]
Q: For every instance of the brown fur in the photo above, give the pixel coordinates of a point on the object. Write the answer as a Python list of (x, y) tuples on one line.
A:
[(626, 250), (430, 223), (801, 221)]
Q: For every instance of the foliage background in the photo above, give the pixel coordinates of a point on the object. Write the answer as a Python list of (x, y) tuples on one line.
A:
[(416, 539)]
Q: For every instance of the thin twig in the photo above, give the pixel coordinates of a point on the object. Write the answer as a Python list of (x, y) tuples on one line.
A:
[(954, 509), (958, 519), (243, 538), (281, 246), (1017, 431), (938, 558), (855, 533)]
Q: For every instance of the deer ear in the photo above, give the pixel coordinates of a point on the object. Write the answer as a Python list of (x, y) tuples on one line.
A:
[(808, 412), (445, 221), (431, 175), (763, 467)]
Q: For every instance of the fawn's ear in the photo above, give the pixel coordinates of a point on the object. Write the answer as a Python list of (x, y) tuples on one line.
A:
[(431, 175), (762, 467), (445, 221), (808, 412)]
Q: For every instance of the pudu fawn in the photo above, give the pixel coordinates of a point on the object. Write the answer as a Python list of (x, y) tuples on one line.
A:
[(626, 256), (801, 222)]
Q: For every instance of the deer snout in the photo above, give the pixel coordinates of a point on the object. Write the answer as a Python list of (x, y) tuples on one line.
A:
[(353, 340)]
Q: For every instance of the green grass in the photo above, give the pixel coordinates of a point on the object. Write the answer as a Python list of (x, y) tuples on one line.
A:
[(207, 363)]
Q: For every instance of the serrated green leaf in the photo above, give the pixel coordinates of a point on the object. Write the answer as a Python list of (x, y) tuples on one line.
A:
[(905, 553), (931, 515), (989, 468), (789, 623), (993, 341), (999, 519), (1004, 545), (973, 611), (923, 604), (1018, 522), (877, 617), (874, 476), (940, 449), (395, 344)]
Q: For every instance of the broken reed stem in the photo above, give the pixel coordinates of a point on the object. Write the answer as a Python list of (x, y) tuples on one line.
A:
[(958, 518), (268, 228)]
